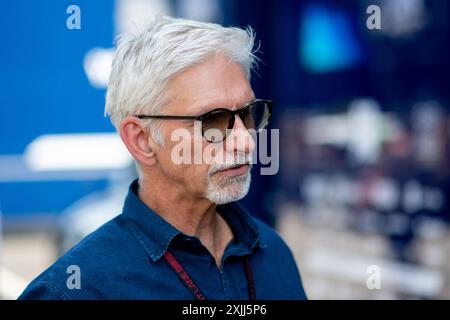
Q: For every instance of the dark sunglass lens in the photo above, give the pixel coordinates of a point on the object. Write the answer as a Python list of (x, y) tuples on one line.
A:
[(257, 116), (215, 125)]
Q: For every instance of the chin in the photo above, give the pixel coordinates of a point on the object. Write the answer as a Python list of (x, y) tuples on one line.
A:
[(228, 190)]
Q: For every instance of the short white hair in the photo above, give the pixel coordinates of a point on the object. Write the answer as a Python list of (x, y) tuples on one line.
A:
[(145, 62)]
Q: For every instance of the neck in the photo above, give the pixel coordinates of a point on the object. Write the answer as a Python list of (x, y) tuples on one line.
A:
[(192, 216)]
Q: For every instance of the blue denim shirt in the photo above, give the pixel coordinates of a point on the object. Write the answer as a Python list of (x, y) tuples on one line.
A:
[(123, 259)]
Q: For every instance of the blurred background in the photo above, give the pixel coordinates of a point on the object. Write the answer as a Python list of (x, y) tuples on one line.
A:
[(364, 179)]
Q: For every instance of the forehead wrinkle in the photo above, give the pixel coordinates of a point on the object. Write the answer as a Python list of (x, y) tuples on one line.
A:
[(225, 104)]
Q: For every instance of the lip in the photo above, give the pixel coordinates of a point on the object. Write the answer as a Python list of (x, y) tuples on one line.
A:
[(236, 171)]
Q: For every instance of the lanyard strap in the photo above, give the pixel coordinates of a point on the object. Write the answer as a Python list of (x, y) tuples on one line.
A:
[(250, 281), (193, 287)]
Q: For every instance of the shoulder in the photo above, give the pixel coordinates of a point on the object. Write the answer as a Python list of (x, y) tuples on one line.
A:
[(269, 237), (286, 275), (91, 258), (272, 241)]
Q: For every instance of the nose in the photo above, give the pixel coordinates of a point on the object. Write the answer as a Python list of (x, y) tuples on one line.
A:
[(240, 139)]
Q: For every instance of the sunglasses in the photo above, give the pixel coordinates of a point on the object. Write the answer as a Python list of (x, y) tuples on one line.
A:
[(255, 115)]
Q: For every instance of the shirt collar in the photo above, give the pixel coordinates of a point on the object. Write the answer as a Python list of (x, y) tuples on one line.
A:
[(155, 234)]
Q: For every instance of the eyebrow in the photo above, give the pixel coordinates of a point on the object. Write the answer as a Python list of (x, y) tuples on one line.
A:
[(206, 108)]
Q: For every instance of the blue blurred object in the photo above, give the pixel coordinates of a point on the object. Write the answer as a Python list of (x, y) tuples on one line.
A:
[(327, 40), (45, 91)]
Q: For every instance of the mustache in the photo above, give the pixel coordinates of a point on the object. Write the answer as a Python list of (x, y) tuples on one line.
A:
[(239, 160)]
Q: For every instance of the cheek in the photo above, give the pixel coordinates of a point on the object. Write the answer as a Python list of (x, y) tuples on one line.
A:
[(193, 176), (193, 173), (213, 153), (204, 151), (197, 175)]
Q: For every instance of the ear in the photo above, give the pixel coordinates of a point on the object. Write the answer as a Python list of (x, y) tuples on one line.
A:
[(137, 140)]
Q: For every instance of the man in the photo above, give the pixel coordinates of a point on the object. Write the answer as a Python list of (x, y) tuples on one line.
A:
[(181, 234)]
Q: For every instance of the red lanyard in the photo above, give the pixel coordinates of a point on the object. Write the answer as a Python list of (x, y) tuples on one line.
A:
[(192, 286)]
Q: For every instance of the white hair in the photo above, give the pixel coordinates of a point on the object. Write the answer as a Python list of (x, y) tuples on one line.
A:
[(146, 61)]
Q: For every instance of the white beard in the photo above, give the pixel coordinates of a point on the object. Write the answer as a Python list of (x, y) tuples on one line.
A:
[(225, 189)]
